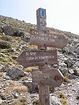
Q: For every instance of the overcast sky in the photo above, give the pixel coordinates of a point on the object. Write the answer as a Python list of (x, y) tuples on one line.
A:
[(61, 14)]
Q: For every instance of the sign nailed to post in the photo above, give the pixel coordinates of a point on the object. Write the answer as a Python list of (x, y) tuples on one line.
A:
[(48, 76), (37, 58), (56, 41)]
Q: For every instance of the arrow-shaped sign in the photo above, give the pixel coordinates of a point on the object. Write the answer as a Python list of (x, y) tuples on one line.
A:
[(57, 40), (37, 58), (48, 77)]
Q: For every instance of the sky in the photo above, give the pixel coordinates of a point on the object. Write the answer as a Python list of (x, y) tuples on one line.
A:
[(61, 14)]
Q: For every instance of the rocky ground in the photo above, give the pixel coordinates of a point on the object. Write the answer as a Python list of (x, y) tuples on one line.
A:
[(16, 87)]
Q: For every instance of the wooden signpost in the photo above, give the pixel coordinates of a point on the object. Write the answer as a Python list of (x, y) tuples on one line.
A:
[(46, 75)]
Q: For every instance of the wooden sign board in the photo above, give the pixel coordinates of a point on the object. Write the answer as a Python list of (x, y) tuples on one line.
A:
[(57, 41), (48, 77), (37, 58)]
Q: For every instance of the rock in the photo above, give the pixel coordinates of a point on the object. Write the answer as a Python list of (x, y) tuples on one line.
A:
[(72, 76), (71, 71), (1, 75), (63, 68), (76, 65), (4, 68), (32, 87), (8, 30), (77, 95), (1, 29), (15, 73), (4, 44), (4, 96), (77, 49), (1, 66), (35, 99), (55, 101), (0, 101), (26, 37), (6, 77), (76, 72), (19, 33), (15, 94), (69, 63)]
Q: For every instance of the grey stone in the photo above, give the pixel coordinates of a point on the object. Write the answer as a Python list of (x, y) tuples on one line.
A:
[(3, 97), (26, 37), (15, 94), (71, 71), (15, 73), (0, 101), (69, 63), (32, 87), (8, 30), (55, 101), (18, 33), (77, 95), (1, 29), (6, 77), (77, 49), (76, 72), (63, 68), (72, 76)]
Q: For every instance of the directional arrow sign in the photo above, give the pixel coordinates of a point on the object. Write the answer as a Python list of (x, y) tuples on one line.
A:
[(48, 77), (57, 41), (37, 58)]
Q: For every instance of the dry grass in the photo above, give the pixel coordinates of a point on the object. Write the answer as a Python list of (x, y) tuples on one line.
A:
[(63, 99), (14, 86)]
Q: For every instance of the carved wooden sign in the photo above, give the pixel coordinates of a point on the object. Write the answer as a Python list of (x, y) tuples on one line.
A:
[(37, 58), (48, 77), (57, 41)]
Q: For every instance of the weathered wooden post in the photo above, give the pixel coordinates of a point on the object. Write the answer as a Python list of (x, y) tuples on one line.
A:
[(44, 95), (45, 76)]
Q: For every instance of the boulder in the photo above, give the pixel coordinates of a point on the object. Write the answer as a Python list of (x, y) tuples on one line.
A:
[(15, 73), (18, 33), (8, 30), (32, 87)]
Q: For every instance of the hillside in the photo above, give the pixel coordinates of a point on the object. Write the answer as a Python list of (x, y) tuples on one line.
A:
[(16, 87)]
